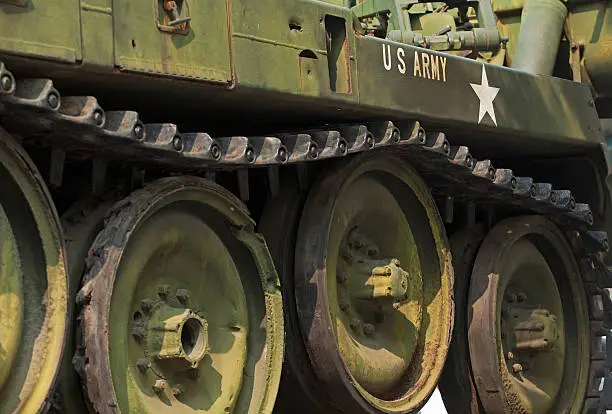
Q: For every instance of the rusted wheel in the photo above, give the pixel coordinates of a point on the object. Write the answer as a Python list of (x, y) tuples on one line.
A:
[(33, 285), (529, 329), (456, 384), (300, 391), (182, 311), (81, 223), (373, 283)]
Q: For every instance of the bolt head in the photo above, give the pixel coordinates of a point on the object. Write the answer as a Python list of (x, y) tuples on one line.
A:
[(138, 332), (163, 290), (282, 155), (369, 329), (159, 386), (142, 365), (146, 305), (182, 295), (6, 82), (178, 389), (215, 152), (98, 118), (177, 143), (139, 131), (313, 152), (250, 155), (53, 100)]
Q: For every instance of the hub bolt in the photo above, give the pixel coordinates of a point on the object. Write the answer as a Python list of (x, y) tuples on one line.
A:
[(182, 295), (142, 365), (146, 305), (178, 389), (138, 332), (369, 329), (159, 386), (517, 368), (163, 290)]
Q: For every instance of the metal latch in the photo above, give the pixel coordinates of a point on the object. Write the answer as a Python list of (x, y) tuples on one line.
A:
[(175, 16)]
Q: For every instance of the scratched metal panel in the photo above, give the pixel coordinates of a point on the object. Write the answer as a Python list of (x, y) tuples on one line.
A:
[(443, 88), (144, 41), (44, 28)]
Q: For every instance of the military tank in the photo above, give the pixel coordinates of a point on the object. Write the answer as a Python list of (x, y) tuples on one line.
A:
[(305, 206)]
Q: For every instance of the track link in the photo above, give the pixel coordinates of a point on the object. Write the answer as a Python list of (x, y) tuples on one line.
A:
[(33, 108)]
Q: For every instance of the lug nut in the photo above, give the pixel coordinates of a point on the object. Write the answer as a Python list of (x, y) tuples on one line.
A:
[(342, 147), (142, 365), (178, 389), (138, 332), (369, 329), (344, 306), (146, 305), (510, 355), (182, 295), (355, 323), (517, 368), (159, 386), (163, 290)]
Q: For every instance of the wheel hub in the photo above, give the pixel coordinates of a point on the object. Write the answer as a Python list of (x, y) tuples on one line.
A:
[(176, 337)]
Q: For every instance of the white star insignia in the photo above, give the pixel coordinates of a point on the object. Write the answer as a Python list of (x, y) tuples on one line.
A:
[(486, 94)]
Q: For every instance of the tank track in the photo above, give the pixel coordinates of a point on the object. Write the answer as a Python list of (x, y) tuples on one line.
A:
[(33, 108)]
